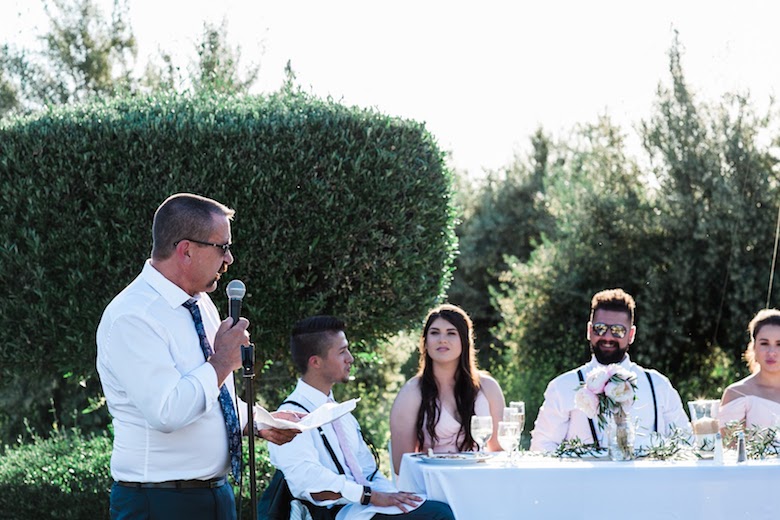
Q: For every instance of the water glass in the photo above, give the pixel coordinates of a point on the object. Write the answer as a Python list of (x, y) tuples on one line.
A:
[(509, 437), (481, 430)]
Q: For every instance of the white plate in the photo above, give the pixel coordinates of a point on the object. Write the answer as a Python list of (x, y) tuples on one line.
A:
[(452, 458)]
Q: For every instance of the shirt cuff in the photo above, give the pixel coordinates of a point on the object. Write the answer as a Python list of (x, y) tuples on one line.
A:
[(352, 491), (207, 377)]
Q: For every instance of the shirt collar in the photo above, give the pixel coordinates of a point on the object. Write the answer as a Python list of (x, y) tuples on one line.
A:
[(626, 363), (170, 292), (314, 396)]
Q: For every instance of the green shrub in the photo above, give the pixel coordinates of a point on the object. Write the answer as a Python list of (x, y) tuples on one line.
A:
[(63, 477), (339, 210), (67, 477)]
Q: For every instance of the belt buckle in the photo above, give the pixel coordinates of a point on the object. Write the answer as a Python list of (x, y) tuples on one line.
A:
[(219, 482)]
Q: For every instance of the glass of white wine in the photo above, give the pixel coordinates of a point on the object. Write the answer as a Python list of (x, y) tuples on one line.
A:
[(481, 431), (520, 405), (510, 413), (509, 438)]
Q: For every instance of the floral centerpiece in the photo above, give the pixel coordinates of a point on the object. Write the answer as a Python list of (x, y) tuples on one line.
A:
[(608, 394)]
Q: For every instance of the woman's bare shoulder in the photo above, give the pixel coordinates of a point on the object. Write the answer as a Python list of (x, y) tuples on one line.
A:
[(490, 386), (741, 388), (488, 382), (410, 392)]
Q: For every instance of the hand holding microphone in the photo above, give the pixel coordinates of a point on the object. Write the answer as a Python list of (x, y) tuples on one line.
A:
[(235, 292), (232, 334)]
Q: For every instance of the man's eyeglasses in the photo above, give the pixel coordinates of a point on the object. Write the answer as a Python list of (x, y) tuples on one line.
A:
[(617, 330), (224, 247)]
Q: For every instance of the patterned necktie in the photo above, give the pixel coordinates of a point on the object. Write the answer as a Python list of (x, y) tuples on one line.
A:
[(352, 462), (231, 420)]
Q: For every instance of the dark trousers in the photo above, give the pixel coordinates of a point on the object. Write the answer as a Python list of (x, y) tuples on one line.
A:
[(430, 510), (173, 504)]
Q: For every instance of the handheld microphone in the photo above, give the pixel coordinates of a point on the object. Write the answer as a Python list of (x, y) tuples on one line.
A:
[(235, 292)]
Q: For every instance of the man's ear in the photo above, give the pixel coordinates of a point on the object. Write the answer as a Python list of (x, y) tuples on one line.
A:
[(183, 250), (315, 361), (587, 332), (632, 334)]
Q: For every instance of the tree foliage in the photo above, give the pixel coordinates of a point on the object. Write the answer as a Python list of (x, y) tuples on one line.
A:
[(693, 248), (715, 219), (83, 55), (217, 66), (507, 215), (86, 55)]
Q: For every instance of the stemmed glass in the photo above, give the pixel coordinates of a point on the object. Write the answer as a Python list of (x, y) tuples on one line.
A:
[(481, 430), (520, 405), (509, 437)]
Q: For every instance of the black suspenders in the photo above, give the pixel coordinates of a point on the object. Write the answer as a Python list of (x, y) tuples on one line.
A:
[(655, 406), (330, 448), (324, 439)]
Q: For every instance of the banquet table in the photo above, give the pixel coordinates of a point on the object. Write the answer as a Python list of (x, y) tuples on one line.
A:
[(551, 488)]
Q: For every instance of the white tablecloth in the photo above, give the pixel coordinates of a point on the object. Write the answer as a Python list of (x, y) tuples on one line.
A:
[(548, 488)]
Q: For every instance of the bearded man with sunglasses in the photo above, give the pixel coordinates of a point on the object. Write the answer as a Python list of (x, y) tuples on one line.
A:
[(611, 331)]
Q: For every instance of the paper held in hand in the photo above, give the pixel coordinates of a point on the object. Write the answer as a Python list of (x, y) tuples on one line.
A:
[(323, 415)]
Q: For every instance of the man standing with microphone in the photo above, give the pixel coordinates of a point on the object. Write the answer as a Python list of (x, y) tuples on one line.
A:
[(165, 361)]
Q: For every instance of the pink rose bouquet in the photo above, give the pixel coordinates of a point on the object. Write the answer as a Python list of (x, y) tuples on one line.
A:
[(607, 391)]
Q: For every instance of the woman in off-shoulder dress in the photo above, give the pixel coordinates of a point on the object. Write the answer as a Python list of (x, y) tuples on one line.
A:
[(755, 400), (433, 409)]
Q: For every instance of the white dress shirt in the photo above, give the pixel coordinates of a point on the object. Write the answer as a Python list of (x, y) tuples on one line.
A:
[(161, 393), (560, 419), (309, 468)]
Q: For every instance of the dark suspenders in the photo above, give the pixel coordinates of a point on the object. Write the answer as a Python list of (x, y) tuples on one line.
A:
[(330, 448), (655, 406), (324, 439)]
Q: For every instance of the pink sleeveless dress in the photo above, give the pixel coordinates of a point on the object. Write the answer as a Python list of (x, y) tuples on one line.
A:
[(448, 428)]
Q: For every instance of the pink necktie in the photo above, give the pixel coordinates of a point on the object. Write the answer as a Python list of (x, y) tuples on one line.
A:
[(352, 462)]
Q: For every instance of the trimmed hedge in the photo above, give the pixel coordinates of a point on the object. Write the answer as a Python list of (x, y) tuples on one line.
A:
[(339, 210), (67, 477), (64, 477)]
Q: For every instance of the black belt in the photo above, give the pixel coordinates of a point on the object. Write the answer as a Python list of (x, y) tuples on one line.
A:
[(177, 484)]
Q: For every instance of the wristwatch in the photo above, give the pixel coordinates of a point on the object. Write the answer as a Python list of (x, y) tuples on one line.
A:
[(366, 496)]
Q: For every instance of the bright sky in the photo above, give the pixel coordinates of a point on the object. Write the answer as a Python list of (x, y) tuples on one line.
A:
[(481, 75)]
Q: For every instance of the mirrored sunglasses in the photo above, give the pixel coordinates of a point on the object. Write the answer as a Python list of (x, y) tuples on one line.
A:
[(617, 330)]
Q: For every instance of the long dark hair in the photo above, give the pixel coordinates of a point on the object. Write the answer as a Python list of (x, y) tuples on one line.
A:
[(466, 378)]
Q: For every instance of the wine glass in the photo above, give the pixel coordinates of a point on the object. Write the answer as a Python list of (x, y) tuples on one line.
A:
[(520, 405), (509, 437), (481, 430), (510, 413)]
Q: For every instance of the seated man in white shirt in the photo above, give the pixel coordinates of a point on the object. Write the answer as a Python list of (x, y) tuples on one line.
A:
[(611, 331), (335, 468)]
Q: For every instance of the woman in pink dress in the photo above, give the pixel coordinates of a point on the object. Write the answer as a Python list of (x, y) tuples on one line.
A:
[(755, 400), (433, 409)]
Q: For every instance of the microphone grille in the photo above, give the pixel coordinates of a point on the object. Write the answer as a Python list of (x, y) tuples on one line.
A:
[(236, 290)]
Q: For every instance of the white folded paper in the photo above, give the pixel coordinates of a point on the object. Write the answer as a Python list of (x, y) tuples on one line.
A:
[(323, 415)]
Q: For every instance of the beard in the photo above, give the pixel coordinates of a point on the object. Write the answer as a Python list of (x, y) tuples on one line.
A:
[(607, 358)]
